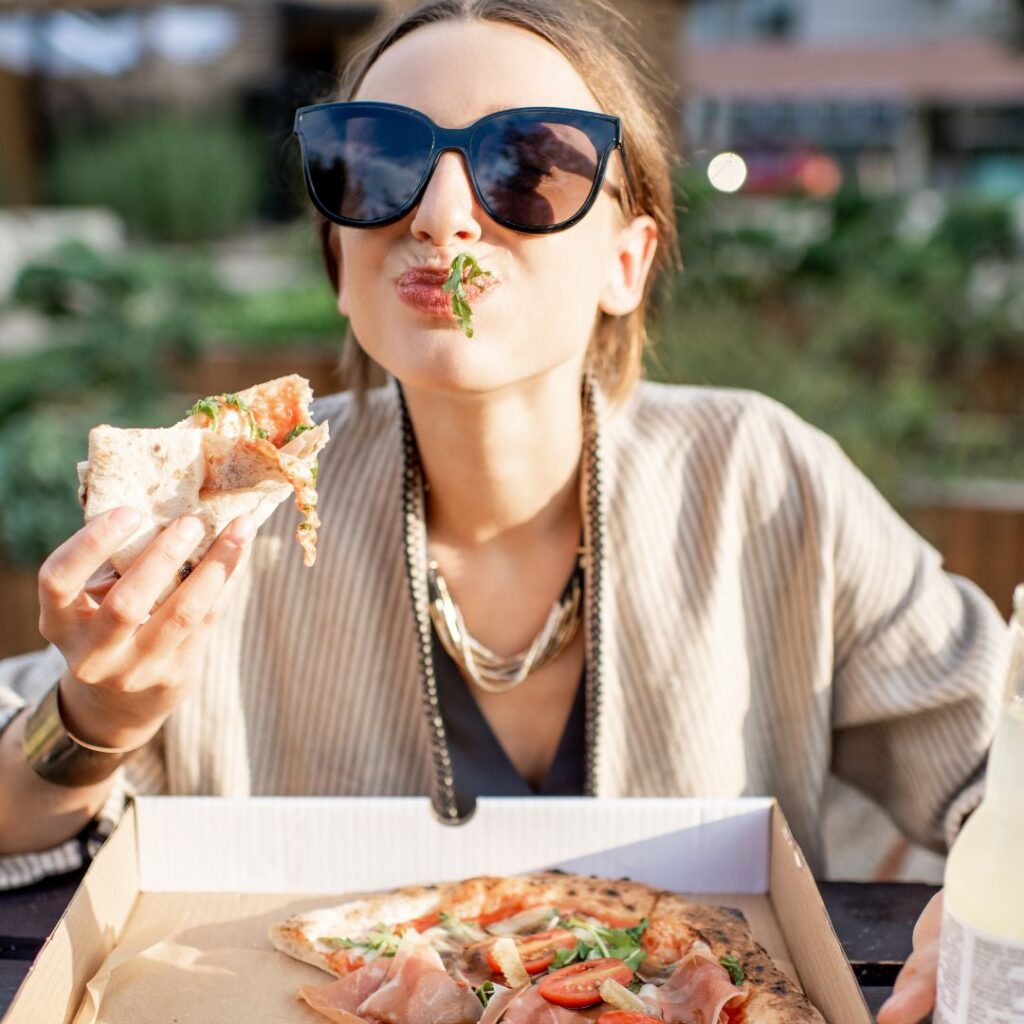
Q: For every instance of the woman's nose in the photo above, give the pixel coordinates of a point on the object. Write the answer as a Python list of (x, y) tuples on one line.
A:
[(448, 210)]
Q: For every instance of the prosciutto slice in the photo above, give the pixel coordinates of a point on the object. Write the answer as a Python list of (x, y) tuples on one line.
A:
[(530, 1007), (418, 990), (699, 989), (339, 1000), (496, 1004)]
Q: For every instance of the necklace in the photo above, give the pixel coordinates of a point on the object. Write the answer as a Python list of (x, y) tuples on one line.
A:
[(490, 671)]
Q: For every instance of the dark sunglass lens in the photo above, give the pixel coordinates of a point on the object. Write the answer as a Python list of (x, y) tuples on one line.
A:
[(365, 165), (534, 173)]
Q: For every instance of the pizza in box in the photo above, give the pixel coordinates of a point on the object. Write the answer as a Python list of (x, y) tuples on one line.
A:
[(544, 948)]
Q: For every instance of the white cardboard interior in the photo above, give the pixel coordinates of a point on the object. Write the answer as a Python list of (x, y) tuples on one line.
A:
[(205, 844)]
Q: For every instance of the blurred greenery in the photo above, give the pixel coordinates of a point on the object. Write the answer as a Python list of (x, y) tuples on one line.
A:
[(892, 325), (872, 328), (116, 324), (171, 178), (270, 319)]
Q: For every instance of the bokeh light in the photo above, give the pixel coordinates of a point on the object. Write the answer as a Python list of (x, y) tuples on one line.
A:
[(727, 172)]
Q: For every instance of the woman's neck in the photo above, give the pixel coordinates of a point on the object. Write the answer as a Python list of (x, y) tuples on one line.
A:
[(502, 467)]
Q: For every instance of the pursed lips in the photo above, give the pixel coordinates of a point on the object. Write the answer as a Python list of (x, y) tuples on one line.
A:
[(421, 288)]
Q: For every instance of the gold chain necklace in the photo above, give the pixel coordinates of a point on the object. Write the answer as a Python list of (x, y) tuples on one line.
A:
[(490, 671)]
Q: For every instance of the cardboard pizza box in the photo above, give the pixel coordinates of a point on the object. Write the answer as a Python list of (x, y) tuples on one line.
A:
[(170, 921)]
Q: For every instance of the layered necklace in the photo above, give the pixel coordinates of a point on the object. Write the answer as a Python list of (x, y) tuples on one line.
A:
[(493, 672)]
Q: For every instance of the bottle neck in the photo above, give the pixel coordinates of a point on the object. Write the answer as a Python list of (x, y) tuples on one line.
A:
[(1004, 785)]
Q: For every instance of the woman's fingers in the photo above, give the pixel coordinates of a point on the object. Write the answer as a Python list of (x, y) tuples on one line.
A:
[(913, 995), (65, 572), (188, 608), (129, 602), (191, 649)]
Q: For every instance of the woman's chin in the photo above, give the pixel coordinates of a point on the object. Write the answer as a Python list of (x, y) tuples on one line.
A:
[(440, 356)]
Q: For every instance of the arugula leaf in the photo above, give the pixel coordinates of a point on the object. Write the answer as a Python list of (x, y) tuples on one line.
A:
[(620, 943), (616, 942), (261, 434), (206, 407), (457, 929), (315, 470), (732, 965), (484, 991), (381, 938), (242, 406), (634, 960), (456, 288), (299, 428), (563, 957)]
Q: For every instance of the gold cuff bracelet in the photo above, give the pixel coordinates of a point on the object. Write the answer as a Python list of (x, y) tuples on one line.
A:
[(61, 758)]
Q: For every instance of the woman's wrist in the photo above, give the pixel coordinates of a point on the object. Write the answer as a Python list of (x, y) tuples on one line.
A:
[(57, 756), (89, 717)]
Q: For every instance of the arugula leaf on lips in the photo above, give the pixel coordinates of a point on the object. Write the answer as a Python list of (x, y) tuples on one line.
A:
[(456, 288)]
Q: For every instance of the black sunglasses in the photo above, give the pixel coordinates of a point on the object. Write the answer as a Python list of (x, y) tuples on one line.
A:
[(533, 169)]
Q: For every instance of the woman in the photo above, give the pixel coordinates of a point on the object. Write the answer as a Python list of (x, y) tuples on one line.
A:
[(753, 614)]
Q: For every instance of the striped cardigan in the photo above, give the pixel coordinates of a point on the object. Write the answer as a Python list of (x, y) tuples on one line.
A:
[(760, 616)]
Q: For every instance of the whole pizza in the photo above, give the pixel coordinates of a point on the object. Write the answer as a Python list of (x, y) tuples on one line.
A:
[(545, 948)]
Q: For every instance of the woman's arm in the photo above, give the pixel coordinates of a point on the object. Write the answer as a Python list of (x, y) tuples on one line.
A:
[(124, 667), (919, 656), (36, 814)]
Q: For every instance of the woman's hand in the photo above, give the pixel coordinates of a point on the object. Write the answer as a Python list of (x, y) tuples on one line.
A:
[(914, 992), (129, 669)]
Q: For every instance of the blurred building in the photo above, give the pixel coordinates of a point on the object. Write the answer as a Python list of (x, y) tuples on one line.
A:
[(902, 95), (93, 62)]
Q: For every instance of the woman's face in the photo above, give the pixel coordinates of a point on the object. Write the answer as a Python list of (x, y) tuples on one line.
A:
[(541, 308)]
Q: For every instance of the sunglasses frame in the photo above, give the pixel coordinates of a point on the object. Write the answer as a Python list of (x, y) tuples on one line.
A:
[(459, 140)]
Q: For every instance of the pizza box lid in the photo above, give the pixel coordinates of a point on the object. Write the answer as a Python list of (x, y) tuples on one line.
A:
[(265, 845)]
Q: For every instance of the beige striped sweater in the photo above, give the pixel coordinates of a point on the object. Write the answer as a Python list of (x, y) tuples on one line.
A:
[(757, 616)]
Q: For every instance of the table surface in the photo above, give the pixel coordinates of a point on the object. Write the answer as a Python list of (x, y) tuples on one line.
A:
[(873, 921)]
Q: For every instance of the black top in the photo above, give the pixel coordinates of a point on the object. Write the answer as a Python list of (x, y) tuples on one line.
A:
[(480, 766)]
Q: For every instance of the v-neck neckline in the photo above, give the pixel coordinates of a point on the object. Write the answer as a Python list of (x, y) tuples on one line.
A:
[(481, 764)]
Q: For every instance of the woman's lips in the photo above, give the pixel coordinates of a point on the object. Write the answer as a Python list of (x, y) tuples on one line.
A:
[(421, 288)]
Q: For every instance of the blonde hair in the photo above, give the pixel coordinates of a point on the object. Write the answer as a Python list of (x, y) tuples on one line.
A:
[(601, 45)]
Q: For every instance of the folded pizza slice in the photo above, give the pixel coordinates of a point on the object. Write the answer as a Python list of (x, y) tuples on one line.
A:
[(233, 454)]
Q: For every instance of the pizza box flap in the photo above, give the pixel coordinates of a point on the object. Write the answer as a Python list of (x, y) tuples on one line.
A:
[(331, 844)]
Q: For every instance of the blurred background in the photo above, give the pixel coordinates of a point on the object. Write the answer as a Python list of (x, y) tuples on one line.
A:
[(850, 208)]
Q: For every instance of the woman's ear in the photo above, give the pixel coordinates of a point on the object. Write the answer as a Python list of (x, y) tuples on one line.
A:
[(635, 246)]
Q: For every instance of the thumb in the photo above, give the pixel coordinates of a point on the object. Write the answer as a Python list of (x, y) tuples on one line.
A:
[(913, 995)]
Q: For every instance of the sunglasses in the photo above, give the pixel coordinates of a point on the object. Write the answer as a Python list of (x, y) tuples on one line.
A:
[(532, 169)]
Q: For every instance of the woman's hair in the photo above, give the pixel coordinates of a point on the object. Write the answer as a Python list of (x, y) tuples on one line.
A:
[(601, 45)]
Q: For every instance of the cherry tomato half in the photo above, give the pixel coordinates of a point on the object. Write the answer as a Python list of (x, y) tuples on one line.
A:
[(627, 1017), (538, 951), (578, 985)]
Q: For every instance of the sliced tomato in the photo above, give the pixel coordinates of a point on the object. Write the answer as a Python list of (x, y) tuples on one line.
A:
[(505, 910), (627, 1017), (578, 985), (420, 924), (537, 951)]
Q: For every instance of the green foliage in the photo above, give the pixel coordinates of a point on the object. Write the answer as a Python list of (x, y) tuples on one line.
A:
[(118, 325), (271, 319), (865, 328), (170, 178)]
